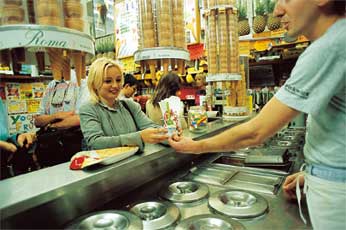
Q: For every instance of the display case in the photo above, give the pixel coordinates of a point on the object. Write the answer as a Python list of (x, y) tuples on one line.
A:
[(51, 31), (162, 36), (225, 73)]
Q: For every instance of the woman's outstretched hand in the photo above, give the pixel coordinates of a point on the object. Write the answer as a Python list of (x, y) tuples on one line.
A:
[(154, 135)]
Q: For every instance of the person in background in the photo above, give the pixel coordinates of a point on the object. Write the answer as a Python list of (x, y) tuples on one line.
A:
[(60, 137), (169, 85), (129, 88), (200, 84), (317, 87), (11, 147), (108, 122)]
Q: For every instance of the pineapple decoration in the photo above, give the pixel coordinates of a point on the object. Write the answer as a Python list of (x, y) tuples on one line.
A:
[(273, 23), (259, 22), (244, 28)]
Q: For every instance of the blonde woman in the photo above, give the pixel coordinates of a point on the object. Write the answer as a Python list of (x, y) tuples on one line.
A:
[(106, 121)]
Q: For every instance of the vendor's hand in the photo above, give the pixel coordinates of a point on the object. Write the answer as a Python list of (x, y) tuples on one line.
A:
[(154, 135), (62, 115), (7, 146), (184, 144), (26, 139), (289, 186)]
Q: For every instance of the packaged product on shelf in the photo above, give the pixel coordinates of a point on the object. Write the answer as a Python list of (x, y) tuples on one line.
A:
[(16, 106), (12, 91), (37, 89), (33, 105), (26, 91), (197, 119)]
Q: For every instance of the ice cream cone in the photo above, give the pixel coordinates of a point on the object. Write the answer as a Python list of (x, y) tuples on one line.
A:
[(83, 65), (77, 58), (40, 61), (181, 66), (165, 63), (56, 62), (152, 68), (66, 67)]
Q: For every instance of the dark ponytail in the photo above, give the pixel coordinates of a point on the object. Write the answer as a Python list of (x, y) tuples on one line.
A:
[(168, 86)]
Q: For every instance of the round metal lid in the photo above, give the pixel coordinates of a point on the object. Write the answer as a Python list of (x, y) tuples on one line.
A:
[(208, 222), (156, 214), (110, 219), (238, 203), (184, 191)]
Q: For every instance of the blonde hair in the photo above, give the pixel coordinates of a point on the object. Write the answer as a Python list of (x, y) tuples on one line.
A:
[(96, 74), (202, 77)]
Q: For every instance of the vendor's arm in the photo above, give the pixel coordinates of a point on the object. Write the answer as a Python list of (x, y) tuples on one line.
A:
[(271, 119)]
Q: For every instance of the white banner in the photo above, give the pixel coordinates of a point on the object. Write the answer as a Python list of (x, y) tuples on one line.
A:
[(44, 36)]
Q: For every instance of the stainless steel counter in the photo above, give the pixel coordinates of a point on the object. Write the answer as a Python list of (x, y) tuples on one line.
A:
[(282, 214), (51, 197)]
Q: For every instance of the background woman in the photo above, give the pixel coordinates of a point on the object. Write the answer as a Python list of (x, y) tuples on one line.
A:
[(169, 85), (107, 122)]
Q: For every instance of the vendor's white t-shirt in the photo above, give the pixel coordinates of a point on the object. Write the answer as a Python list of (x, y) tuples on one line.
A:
[(317, 87)]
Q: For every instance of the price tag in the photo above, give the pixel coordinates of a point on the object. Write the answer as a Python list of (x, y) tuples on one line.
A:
[(244, 48), (262, 45)]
